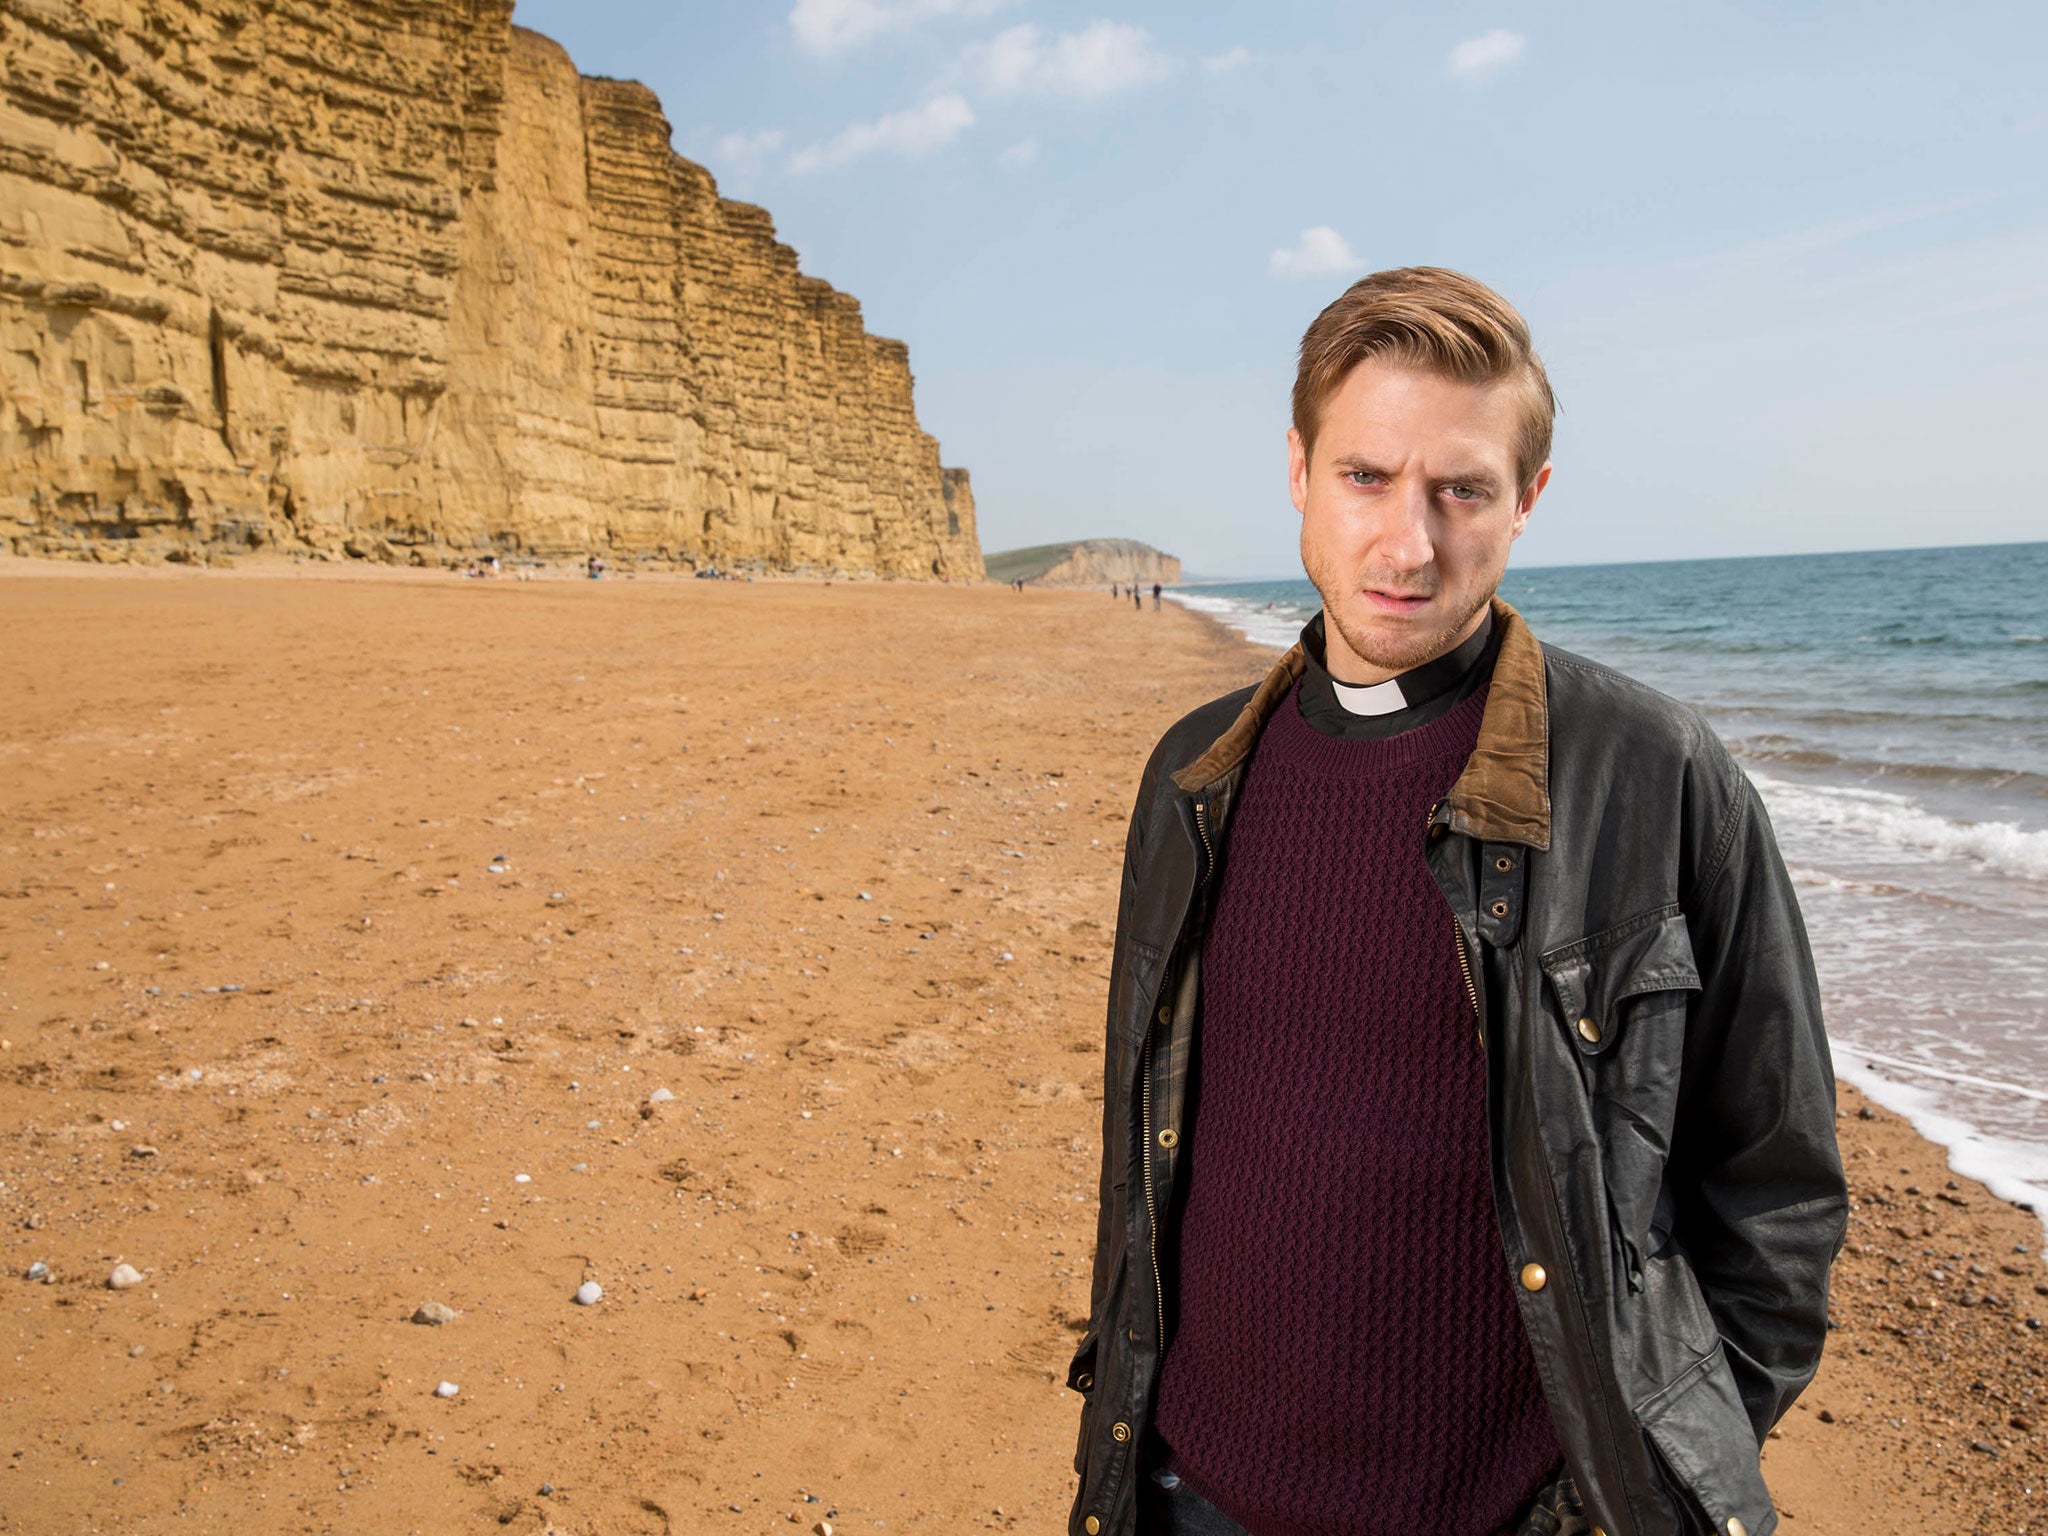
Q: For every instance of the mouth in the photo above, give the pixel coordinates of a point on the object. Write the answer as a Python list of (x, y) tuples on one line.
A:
[(1396, 602)]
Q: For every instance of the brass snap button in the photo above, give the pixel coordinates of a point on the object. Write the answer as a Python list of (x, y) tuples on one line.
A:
[(1534, 1277), (1120, 1432), (1589, 1031), (1736, 1527), (1091, 1525), (1084, 1381), (1169, 1138), (1166, 1015), (1503, 864), (1500, 909)]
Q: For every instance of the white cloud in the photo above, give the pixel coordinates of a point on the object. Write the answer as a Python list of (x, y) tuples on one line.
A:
[(1103, 59), (1322, 253), (1486, 54), (744, 153), (913, 134), (1223, 63), (1018, 155), (828, 27)]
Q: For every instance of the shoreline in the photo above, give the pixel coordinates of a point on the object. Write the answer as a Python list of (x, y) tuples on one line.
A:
[(280, 1035)]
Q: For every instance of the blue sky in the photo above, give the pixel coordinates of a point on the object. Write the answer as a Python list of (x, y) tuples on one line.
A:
[(1787, 263)]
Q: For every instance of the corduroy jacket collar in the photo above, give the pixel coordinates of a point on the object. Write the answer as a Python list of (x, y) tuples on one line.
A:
[(1504, 793)]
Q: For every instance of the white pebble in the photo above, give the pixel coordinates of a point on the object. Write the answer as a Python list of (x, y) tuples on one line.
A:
[(446, 1389), (589, 1294), (124, 1277), (522, 1178), (660, 1096)]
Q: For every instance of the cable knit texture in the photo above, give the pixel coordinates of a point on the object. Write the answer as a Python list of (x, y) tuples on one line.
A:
[(1348, 1359)]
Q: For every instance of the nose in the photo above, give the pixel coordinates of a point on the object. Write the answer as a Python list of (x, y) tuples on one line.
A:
[(1405, 543)]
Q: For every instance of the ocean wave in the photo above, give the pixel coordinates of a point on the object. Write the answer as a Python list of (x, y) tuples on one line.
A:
[(1278, 626), (1779, 749), (1895, 821)]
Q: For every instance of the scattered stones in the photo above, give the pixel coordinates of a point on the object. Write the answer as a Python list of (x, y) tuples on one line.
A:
[(822, 1528), (37, 1271), (589, 1294), (142, 1149), (125, 1277), (434, 1314), (1825, 1417), (446, 1389), (661, 1096)]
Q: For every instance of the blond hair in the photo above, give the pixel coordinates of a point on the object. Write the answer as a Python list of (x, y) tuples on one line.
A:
[(1439, 321)]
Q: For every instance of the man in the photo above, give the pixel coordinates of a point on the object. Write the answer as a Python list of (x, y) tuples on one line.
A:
[(1468, 1126)]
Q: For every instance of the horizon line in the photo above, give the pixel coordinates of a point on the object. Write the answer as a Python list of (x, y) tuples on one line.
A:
[(1573, 565)]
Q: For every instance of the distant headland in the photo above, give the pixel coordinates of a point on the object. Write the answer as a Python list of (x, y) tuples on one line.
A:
[(1086, 563)]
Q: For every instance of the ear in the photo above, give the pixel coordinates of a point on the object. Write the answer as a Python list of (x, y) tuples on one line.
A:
[(1297, 470), (1528, 501)]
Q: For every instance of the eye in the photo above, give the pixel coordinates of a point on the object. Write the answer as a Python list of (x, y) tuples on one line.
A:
[(1361, 476), (1465, 493)]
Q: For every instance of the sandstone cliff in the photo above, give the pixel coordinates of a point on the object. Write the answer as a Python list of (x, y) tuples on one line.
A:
[(1086, 563), (389, 278)]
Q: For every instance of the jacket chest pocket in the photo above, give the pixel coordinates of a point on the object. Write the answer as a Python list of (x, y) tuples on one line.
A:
[(1634, 977), (1623, 995)]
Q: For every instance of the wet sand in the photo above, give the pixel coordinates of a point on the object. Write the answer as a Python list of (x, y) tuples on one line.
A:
[(835, 867)]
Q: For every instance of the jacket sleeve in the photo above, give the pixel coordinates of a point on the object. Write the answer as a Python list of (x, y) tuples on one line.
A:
[(1114, 1176), (1761, 1205)]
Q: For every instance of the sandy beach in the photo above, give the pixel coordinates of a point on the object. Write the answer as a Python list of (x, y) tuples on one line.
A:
[(371, 939)]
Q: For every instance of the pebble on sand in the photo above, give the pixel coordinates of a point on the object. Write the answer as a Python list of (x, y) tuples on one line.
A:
[(124, 1277), (446, 1389), (589, 1294), (37, 1271), (433, 1314), (660, 1096)]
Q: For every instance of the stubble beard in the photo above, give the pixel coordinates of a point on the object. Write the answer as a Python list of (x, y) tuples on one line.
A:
[(1392, 655)]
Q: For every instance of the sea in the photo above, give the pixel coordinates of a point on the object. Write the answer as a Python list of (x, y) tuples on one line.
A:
[(1892, 708)]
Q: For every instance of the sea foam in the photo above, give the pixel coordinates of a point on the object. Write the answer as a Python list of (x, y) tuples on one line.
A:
[(1896, 821)]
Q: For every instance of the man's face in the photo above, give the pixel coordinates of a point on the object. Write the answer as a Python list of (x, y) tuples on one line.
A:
[(1408, 507)]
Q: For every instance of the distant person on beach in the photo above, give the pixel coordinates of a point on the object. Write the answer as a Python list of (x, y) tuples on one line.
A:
[(1137, 599), (1155, 596), (1468, 1160)]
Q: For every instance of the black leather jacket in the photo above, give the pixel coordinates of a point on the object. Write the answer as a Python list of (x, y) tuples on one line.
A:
[(1659, 1093)]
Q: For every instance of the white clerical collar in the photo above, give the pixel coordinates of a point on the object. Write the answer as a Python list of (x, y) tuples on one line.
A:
[(1371, 698)]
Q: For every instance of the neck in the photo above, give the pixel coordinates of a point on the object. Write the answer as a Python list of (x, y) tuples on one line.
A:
[(1347, 666)]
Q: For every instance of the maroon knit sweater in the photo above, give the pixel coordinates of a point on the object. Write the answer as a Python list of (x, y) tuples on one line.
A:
[(1348, 1359)]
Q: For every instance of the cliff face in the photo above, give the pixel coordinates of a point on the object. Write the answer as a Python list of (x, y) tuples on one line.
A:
[(1086, 563), (389, 278)]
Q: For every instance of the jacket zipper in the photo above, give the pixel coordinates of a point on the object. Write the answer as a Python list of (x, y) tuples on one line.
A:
[(1152, 1215), (1464, 961), (1145, 1111)]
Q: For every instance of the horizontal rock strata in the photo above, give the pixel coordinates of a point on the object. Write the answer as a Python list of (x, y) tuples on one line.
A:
[(388, 278)]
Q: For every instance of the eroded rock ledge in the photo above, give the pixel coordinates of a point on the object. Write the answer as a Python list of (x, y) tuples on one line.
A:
[(390, 279)]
